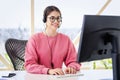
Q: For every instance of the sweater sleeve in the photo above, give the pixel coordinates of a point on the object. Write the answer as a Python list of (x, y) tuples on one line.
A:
[(71, 58), (31, 59)]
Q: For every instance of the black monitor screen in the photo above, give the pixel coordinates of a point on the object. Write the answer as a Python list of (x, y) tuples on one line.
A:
[(94, 39)]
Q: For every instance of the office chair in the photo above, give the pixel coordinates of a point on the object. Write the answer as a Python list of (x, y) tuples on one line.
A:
[(15, 49)]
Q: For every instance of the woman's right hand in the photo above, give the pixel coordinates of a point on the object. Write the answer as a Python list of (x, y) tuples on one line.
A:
[(57, 71)]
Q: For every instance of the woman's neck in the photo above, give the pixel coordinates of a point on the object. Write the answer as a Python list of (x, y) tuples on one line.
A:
[(50, 33)]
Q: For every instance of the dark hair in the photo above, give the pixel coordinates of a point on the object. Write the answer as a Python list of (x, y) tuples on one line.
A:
[(48, 10)]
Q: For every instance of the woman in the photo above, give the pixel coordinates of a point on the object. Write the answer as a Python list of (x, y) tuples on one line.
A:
[(46, 51)]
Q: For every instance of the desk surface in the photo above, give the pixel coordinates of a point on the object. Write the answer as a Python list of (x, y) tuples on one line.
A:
[(82, 75)]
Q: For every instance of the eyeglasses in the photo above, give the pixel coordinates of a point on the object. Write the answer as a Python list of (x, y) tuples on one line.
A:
[(53, 18)]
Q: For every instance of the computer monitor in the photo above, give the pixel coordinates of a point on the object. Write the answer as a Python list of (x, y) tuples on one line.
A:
[(100, 39)]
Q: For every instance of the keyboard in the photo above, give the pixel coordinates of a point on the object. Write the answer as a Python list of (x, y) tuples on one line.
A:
[(68, 76)]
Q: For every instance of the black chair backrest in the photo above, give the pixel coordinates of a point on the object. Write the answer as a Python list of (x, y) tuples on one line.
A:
[(16, 50)]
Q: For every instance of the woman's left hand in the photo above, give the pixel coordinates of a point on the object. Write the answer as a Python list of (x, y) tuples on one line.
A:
[(70, 70)]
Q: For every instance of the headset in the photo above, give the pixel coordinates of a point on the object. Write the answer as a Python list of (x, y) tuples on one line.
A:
[(44, 18)]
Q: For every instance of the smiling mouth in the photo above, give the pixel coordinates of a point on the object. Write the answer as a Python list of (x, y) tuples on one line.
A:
[(55, 25)]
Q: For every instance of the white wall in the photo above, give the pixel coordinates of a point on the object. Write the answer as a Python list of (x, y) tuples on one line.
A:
[(73, 10), (17, 12)]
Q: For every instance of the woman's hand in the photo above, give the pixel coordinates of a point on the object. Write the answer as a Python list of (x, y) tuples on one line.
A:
[(57, 71), (70, 70)]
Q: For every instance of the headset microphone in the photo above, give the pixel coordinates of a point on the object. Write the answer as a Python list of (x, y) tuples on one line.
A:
[(60, 24)]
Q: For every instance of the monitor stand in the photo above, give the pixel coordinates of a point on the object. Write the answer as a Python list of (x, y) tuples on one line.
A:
[(115, 54), (116, 57)]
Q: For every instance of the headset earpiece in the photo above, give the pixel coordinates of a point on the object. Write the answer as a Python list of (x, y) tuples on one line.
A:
[(44, 19)]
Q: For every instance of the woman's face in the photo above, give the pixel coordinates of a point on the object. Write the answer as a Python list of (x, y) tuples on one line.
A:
[(53, 20)]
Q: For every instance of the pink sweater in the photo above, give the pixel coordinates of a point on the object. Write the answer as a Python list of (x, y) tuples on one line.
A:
[(41, 51)]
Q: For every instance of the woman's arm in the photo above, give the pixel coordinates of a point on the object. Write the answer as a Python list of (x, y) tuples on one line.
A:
[(71, 58), (31, 59)]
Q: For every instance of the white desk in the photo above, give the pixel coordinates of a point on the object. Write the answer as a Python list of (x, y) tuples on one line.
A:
[(86, 75)]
